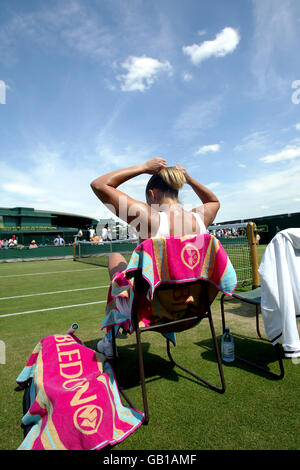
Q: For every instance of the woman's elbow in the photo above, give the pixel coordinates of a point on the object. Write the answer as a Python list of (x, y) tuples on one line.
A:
[(215, 208), (97, 187), (215, 205), (93, 184), (101, 190)]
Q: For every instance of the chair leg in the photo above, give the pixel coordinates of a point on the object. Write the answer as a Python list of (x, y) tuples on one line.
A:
[(217, 351), (142, 375), (114, 344), (115, 366), (257, 321), (257, 324), (201, 379), (222, 312), (257, 312), (252, 364)]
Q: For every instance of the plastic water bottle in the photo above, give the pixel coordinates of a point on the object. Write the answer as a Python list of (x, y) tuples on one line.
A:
[(72, 329), (227, 347)]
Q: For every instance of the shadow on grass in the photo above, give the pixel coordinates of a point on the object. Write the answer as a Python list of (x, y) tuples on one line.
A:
[(236, 307), (126, 366), (156, 367), (259, 352)]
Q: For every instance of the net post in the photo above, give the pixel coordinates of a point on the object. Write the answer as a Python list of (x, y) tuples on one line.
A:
[(251, 228), (75, 244)]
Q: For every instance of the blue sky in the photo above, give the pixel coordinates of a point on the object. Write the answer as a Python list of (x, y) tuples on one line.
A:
[(88, 86)]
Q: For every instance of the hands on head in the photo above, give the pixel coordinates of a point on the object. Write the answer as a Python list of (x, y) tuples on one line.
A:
[(154, 165), (106, 189)]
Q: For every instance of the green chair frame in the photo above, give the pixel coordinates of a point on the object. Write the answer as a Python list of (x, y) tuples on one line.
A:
[(253, 297)]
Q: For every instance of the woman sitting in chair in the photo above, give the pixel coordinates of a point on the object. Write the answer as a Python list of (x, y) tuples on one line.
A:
[(162, 215)]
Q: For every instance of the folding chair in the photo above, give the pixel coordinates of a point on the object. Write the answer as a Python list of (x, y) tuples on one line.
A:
[(182, 303), (189, 319), (253, 297)]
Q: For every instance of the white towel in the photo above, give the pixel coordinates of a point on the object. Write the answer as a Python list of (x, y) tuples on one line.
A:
[(280, 290)]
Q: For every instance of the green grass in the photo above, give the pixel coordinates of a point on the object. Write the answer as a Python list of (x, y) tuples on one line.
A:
[(255, 412)]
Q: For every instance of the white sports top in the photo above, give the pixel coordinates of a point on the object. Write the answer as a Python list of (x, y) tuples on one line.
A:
[(164, 229)]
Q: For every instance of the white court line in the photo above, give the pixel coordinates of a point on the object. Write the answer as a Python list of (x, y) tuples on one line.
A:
[(53, 308), (56, 292), (54, 272)]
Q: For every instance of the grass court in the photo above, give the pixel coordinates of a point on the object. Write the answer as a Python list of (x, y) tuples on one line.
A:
[(41, 298)]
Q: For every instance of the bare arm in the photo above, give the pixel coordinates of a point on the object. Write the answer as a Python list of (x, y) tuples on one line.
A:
[(211, 203), (124, 206)]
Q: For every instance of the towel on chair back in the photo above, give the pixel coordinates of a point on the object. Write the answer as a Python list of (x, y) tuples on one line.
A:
[(168, 260), (75, 402)]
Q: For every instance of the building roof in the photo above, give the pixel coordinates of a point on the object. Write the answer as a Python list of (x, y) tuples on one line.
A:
[(62, 219)]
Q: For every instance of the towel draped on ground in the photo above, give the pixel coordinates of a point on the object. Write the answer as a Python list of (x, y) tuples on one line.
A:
[(75, 402)]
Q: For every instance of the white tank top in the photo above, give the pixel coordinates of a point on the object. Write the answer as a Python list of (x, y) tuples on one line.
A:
[(164, 229)]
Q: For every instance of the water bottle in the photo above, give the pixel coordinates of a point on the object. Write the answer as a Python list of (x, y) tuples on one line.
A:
[(227, 347), (72, 329)]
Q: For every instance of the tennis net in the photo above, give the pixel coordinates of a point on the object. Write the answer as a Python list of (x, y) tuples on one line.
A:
[(238, 240), (97, 252)]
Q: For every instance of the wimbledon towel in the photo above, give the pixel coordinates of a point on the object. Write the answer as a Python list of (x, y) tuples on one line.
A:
[(75, 403), (175, 260)]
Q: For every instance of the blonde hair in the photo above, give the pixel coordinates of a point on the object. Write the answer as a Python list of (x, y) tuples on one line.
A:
[(168, 180), (173, 177)]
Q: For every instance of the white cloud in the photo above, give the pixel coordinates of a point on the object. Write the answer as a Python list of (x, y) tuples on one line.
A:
[(142, 72), (290, 152), (224, 43), (62, 186), (21, 189), (66, 27), (253, 142), (265, 193), (187, 77), (208, 148), (48, 179), (297, 126), (213, 185)]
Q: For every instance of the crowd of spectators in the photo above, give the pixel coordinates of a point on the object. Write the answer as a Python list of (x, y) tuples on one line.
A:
[(106, 235), (228, 232), (10, 243), (13, 243)]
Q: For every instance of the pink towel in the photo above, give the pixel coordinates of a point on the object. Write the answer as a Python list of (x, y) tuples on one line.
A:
[(75, 402), (168, 260)]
